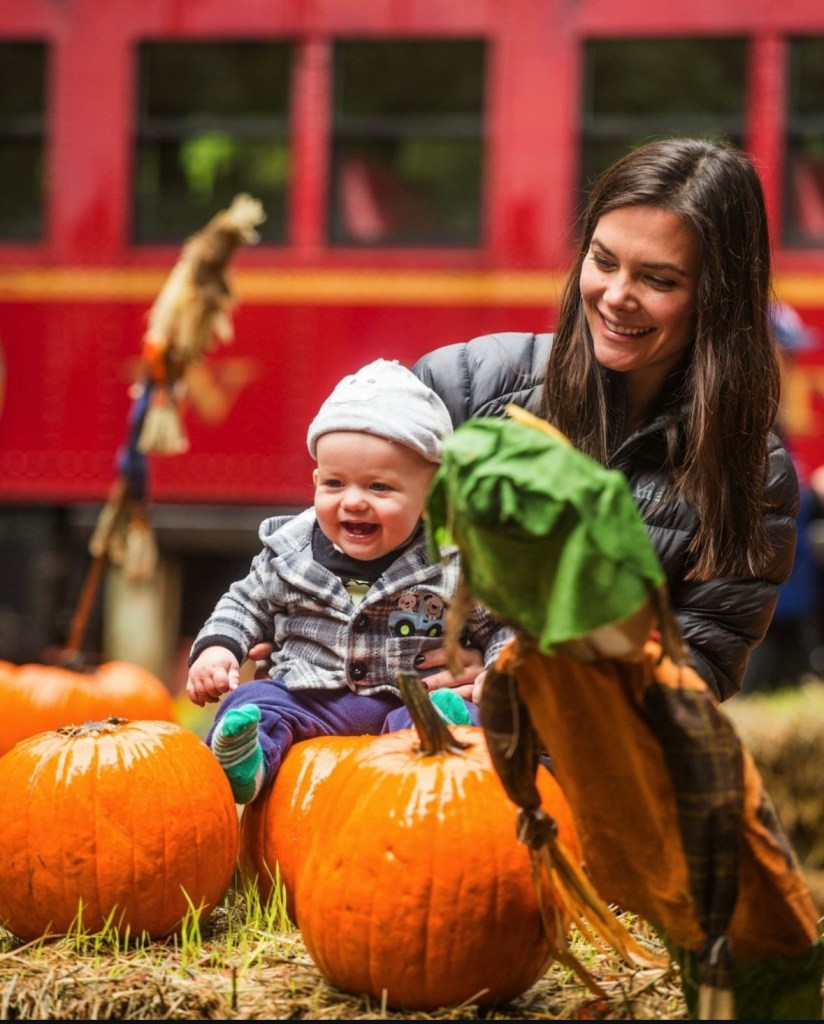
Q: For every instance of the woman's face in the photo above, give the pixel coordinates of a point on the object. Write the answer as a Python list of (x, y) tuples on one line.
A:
[(639, 282)]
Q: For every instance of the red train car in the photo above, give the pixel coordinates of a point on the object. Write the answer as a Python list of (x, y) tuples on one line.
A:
[(421, 165)]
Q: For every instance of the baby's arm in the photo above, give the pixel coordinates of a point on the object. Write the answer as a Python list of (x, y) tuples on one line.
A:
[(215, 671)]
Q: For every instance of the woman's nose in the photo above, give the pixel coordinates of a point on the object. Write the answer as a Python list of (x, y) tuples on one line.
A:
[(619, 290)]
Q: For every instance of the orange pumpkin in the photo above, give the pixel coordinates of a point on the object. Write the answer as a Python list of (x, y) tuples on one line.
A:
[(136, 820), (36, 698), (274, 828), (413, 886)]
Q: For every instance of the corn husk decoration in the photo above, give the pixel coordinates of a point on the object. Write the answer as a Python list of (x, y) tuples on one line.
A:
[(674, 821), (191, 314), (124, 535)]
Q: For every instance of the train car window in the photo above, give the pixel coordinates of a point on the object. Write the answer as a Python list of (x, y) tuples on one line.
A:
[(407, 163), (22, 140), (804, 186), (213, 121), (638, 89)]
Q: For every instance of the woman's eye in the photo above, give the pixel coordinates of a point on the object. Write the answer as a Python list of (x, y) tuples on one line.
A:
[(601, 261), (661, 282)]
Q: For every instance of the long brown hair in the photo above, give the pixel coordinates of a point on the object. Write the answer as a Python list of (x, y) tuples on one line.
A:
[(732, 382)]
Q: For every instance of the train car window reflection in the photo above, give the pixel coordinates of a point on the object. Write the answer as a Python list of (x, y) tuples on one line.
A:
[(22, 140), (408, 156), (637, 89), (213, 121), (804, 188)]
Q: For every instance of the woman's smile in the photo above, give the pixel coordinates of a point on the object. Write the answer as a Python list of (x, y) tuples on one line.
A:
[(638, 285)]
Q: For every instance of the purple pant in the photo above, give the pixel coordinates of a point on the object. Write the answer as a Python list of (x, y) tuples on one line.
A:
[(288, 716), (401, 719)]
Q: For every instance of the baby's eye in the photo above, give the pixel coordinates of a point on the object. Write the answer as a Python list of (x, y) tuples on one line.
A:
[(331, 482), (378, 486)]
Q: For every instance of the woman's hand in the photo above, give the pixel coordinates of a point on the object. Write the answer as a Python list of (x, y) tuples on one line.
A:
[(260, 654), (466, 684)]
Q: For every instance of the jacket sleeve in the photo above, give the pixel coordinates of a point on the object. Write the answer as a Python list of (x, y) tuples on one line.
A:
[(487, 633), (243, 616), (480, 377), (723, 619)]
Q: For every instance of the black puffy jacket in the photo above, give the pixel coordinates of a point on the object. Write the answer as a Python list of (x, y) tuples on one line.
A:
[(721, 619)]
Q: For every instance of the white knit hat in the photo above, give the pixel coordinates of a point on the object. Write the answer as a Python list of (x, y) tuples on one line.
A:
[(385, 399)]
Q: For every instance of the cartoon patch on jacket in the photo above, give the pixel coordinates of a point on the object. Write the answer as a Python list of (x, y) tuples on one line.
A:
[(418, 615)]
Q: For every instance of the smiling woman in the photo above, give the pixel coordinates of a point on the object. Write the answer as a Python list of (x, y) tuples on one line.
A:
[(638, 286), (662, 366)]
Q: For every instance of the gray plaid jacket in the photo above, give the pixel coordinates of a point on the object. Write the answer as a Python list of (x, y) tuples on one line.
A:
[(323, 640)]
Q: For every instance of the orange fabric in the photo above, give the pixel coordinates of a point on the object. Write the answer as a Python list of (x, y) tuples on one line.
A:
[(613, 772)]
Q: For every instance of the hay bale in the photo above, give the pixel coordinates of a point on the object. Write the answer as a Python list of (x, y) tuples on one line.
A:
[(784, 731)]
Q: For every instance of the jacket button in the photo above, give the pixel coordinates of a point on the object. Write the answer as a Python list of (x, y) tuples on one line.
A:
[(361, 623), (357, 670)]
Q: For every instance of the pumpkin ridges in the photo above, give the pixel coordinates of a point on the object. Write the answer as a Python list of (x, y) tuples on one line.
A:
[(134, 826), (18, 833), (101, 876), (100, 843), (43, 847), (192, 854), (382, 940), (273, 827), (216, 815), (425, 977), (502, 877), (61, 878)]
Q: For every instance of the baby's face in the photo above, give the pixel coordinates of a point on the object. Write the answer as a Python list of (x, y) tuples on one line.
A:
[(370, 493)]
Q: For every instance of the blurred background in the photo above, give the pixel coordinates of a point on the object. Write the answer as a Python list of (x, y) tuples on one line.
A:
[(422, 166)]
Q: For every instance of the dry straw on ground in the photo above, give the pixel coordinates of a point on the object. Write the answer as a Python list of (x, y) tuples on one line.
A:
[(252, 965)]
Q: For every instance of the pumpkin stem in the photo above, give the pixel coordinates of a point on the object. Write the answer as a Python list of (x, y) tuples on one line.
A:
[(110, 724), (434, 734)]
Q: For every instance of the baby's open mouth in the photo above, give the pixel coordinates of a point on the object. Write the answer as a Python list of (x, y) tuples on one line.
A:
[(359, 529)]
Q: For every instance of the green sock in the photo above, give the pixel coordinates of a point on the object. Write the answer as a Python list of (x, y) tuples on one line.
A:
[(236, 745), (451, 707)]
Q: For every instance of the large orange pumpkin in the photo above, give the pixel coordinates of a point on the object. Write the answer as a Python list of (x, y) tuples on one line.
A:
[(413, 886), (134, 819), (274, 828), (36, 698)]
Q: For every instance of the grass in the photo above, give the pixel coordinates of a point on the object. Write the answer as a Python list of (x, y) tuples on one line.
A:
[(246, 961)]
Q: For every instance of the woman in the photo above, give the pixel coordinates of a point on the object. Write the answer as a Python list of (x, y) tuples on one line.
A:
[(663, 366)]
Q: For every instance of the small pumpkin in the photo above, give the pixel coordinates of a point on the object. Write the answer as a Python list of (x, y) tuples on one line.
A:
[(274, 828), (413, 886), (37, 698), (135, 820)]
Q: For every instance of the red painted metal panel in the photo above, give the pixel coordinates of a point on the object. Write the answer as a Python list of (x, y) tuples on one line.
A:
[(68, 351), (68, 367)]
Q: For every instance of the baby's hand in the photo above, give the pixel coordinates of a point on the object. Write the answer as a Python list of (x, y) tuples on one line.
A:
[(214, 672)]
